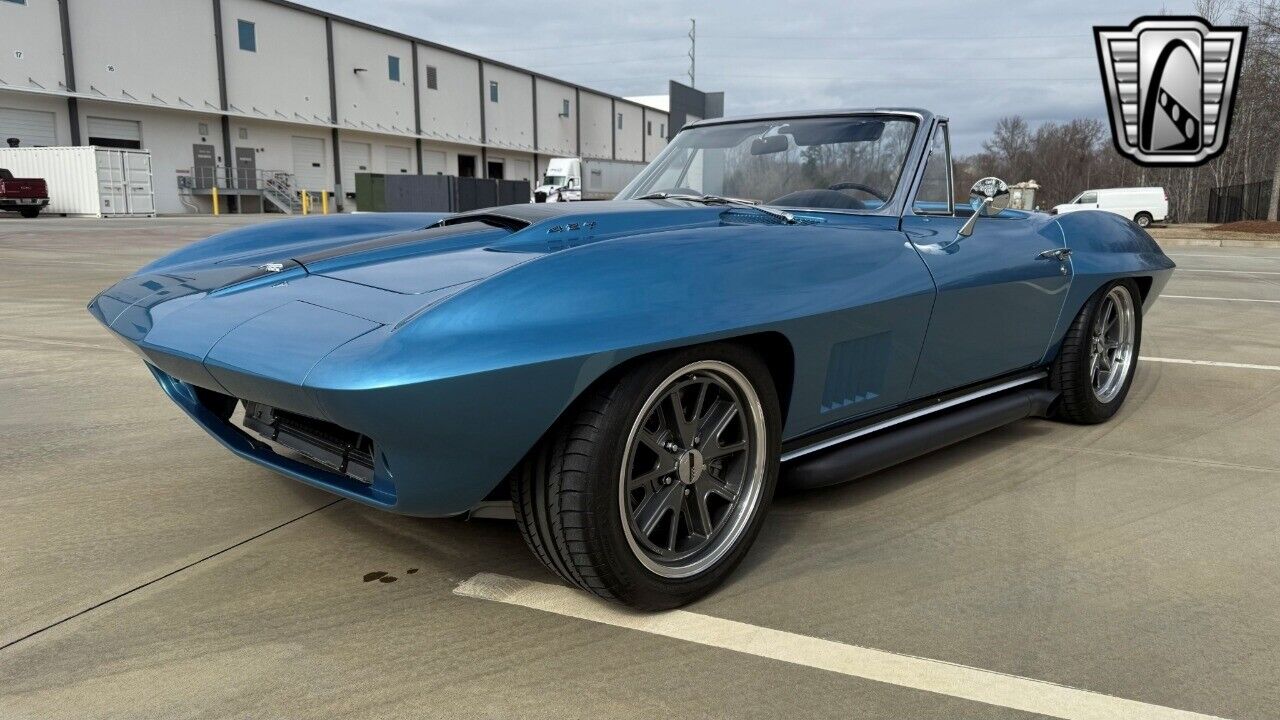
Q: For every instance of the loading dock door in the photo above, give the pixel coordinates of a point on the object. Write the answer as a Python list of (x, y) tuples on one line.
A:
[(520, 170), (433, 162), (308, 163), (113, 133), (399, 160), (355, 159), (33, 128)]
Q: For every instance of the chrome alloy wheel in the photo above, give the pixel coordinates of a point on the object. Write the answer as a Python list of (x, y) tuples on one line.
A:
[(1111, 355), (693, 469)]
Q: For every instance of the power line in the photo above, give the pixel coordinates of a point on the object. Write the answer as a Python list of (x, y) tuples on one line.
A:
[(857, 80), (610, 43), (775, 58), (896, 38)]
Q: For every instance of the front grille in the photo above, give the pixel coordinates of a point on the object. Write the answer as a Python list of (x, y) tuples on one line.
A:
[(333, 447)]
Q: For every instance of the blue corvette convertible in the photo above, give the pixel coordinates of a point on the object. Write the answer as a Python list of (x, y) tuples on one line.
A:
[(795, 295)]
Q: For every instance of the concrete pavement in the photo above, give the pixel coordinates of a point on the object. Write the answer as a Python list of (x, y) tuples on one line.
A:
[(145, 572)]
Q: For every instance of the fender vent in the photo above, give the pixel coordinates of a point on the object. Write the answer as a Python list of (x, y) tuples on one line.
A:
[(856, 371)]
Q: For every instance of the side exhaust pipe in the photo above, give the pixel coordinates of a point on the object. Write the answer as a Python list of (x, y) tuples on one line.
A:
[(864, 456)]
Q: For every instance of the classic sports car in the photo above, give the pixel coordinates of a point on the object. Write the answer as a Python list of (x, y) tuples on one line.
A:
[(795, 294)]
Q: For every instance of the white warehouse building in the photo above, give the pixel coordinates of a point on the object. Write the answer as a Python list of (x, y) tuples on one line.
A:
[(235, 90)]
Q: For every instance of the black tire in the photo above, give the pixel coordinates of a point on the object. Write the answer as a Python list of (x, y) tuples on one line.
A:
[(1071, 373), (569, 497), (1143, 219), (29, 212)]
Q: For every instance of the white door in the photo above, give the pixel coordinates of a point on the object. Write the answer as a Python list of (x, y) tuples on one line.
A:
[(520, 170), (112, 132), (111, 187), (433, 162), (355, 159), (308, 163), (399, 160), (140, 198), (33, 128)]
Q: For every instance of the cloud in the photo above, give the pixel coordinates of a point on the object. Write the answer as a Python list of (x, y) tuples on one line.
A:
[(973, 63)]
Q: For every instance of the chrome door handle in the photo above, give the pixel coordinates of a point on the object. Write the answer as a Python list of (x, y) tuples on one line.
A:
[(1059, 254)]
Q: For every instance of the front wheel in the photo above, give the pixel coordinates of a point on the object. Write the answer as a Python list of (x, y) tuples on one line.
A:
[(655, 484), (1095, 366), (1143, 219)]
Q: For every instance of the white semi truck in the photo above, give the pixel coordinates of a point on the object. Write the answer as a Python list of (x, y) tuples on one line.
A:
[(572, 179)]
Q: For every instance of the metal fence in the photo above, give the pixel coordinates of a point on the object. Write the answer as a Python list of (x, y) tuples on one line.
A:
[(1247, 201), (435, 193)]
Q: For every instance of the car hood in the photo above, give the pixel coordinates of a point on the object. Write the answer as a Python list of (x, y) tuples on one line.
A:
[(382, 276), (470, 247)]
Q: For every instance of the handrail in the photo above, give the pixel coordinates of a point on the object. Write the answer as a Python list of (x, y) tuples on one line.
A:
[(275, 185)]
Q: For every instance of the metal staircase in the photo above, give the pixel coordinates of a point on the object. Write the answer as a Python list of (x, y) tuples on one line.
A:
[(276, 188)]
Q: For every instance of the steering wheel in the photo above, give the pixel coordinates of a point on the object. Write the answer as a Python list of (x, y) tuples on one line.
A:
[(859, 186)]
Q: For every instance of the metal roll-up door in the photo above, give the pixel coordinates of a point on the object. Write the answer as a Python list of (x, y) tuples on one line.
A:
[(112, 132), (399, 160), (308, 163), (520, 170), (33, 128), (355, 159), (433, 162)]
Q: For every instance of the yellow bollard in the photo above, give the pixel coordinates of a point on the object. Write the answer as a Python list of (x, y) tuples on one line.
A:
[(324, 203), (306, 198), (215, 201)]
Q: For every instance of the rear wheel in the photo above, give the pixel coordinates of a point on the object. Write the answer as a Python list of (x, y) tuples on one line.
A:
[(1143, 219), (1095, 366), (29, 212), (655, 485)]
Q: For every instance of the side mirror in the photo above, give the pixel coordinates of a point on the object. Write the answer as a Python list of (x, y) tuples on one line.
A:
[(987, 197)]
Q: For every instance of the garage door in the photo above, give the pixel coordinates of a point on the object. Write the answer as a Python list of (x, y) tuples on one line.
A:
[(111, 132), (355, 159), (399, 160), (308, 163), (32, 127), (520, 170), (433, 162)]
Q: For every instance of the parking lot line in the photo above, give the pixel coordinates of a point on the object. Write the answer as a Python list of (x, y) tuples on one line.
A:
[(935, 676), (61, 343), (1201, 297), (1231, 272), (1213, 363), (1175, 255)]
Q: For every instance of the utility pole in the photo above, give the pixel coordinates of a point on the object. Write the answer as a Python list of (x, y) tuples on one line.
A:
[(693, 51)]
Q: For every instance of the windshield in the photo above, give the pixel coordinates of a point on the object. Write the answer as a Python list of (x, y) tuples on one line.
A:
[(843, 163), (554, 180)]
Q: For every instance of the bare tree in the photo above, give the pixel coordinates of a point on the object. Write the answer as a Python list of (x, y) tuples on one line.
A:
[(1066, 158)]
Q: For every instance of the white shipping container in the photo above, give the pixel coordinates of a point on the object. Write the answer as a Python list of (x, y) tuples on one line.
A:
[(86, 180)]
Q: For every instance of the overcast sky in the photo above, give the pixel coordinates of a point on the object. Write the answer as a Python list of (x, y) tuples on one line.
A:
[(972, 61)]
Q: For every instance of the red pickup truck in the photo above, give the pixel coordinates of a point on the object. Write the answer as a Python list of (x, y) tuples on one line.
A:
[(22, 195)]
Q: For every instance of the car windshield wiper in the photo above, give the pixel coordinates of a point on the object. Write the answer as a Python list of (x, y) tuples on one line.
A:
[(782, 215)]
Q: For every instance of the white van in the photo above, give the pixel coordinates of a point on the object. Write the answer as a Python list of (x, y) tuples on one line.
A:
[(1143, 205)]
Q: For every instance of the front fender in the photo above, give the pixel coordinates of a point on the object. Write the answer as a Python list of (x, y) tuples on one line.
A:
[(1106, 247)]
